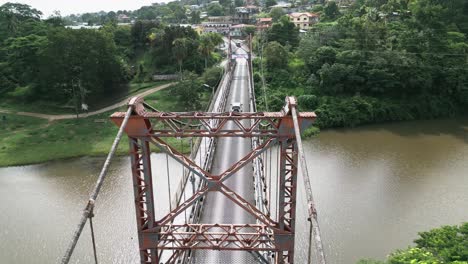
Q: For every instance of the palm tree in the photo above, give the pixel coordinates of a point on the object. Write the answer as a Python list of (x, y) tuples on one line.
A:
[(180, 50), (206, 47)]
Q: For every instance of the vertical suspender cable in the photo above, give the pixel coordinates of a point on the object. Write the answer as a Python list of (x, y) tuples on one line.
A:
[(90, 205), (269, 179), (194, 157), (183, 175), (92, 236), (277, 182), (168, 182), (310, 199)]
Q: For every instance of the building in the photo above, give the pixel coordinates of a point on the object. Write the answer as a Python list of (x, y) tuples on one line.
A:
[(217, 24), (242, 16), (304, 20), (264, 23), (237, 31), (220, 19), (284, 5), (122, 18)]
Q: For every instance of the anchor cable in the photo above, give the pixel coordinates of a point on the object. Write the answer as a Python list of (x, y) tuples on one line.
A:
[(102, 176), (308, 187)]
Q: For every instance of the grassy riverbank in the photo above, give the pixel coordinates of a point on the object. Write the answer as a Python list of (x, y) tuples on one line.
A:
[(28, 140), (45, 107)]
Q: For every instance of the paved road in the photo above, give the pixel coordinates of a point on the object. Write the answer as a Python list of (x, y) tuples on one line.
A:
[(219, 209), (97, 112)]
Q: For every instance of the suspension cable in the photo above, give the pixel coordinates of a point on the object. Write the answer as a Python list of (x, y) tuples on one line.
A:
[(90, 205), (310, 198)]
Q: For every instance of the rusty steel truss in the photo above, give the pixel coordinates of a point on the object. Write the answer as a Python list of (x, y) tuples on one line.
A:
[(146, 128)]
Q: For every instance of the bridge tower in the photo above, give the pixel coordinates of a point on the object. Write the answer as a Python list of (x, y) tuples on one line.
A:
[(164, 240)]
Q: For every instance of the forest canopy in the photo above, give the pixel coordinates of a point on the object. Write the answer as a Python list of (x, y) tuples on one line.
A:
[(373, 61)]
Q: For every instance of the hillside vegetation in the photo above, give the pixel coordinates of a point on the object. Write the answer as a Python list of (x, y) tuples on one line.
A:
[(374, 61), (44, 62)]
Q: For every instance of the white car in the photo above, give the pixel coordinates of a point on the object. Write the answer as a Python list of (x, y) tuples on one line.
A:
[(236, 107)]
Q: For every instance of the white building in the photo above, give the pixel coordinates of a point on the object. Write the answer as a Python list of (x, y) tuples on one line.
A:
[(304, 20)]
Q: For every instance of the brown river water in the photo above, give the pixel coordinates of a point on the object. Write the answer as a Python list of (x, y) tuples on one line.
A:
[(375, 188)]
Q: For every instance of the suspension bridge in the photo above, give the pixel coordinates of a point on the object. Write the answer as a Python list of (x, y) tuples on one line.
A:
[(237, 196)]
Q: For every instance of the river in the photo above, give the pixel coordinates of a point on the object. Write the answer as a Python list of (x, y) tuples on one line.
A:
[(375, 188)]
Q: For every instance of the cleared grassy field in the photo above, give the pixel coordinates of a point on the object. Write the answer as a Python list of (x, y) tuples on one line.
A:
[(28, 140)]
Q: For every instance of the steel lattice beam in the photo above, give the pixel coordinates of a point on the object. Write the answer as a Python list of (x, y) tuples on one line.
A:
[(143, 191), (196, 124), (251, 237)]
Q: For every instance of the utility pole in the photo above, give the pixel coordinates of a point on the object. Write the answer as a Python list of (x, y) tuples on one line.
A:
[(229, 51)]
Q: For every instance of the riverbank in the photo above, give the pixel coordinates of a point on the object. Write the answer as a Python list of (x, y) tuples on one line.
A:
[(28, 140)]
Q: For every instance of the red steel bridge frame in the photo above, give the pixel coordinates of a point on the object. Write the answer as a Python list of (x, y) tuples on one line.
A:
[(146, 128)]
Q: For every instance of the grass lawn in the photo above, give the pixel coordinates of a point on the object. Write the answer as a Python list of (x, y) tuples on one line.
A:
[(164, 101), (140, 87), (50, 108), (39, 107), (28, 140)]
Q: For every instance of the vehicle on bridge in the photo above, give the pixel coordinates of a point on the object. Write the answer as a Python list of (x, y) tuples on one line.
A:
[(236, 107)]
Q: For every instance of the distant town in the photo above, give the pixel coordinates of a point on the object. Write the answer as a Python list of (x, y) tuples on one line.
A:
[(212, 18)]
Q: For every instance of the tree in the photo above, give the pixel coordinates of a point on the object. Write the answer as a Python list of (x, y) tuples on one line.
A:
[(180, 51), (249, 30), (55, 20), (284, 32), (212, 75), (308, 102), (24, 63), (331, 10), (276, 56), (215, 9), (140, 32), (269, 3), (239, 3), (88, 59), (12, 15), (413, 255), (215, 38), (448, 244), (276, 13), (178, 12), (206, 47), (188, 91), (20, 11), (195, 17)]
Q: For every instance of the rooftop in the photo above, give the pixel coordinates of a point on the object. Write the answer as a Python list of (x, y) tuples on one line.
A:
[(297, 14)]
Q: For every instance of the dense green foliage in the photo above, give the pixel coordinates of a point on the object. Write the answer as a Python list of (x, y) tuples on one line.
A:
[(373, 62), (42, 60), (284, 32), (448, 244)]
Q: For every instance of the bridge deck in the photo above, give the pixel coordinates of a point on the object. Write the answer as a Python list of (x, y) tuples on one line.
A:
[(219, 209)]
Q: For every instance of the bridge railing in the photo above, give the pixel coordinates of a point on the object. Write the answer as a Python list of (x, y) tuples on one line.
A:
[(262, 203)]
